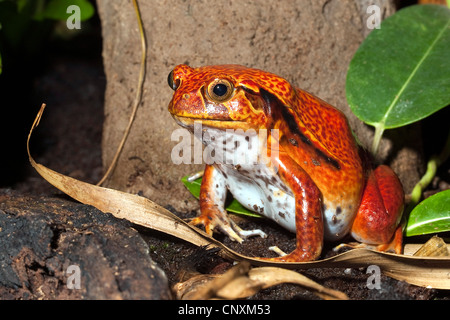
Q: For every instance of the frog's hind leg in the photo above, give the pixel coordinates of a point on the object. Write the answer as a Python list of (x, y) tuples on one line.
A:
[(308, 213), (377, 220)]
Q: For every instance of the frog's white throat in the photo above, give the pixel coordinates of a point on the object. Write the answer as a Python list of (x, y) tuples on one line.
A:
[(242, 148)]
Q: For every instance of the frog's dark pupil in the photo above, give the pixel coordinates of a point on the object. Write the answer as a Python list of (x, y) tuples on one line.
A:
[(220, 89)]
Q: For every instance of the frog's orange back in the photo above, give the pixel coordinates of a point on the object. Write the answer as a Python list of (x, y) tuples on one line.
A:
[(327, 126)]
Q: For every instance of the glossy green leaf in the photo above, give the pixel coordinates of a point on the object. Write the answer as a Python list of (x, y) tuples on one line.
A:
[(234, 206), (401, 72), (430, 216)]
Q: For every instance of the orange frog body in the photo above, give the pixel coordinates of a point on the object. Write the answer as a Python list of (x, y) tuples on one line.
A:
[(287, 155)]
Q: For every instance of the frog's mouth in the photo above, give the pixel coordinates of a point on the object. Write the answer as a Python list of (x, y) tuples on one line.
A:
[(188, 123)]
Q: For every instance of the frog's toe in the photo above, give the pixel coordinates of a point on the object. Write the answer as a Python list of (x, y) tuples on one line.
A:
[(234, 232), (231, 233), (278, 251), (214, 222), (203, 220), (248, 233)]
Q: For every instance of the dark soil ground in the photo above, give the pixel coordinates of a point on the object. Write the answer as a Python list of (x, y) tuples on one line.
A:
[(70, 80)]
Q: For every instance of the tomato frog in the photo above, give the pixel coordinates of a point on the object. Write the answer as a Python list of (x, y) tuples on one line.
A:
[(310, 175)]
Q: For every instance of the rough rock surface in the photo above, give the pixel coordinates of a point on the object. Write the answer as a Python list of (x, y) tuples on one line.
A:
[(47, 242)]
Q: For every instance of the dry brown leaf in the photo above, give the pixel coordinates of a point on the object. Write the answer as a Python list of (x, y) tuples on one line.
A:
[(240, 288), (188, 290), (423, 271), (271, 276), (242, 282), (209, 290), (435, 247), (265, 277)]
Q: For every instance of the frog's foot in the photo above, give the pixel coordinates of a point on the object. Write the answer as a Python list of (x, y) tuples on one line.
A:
[(248, 233), (291, 257), (394, 246), (223, 223), (298, 255)]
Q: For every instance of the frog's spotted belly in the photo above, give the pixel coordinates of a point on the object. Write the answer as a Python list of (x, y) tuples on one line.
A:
[(262, 193), (267, 195)]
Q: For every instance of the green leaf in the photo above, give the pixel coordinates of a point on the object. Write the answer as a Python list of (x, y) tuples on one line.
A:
[(234, 206), (430, 216), (57, 9), (192, 186), (400, 73)]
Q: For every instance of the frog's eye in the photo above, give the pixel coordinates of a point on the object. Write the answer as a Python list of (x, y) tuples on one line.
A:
[(173, 84), (220, 90)]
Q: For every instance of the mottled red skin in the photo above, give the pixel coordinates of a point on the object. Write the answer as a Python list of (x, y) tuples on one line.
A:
[(377, 216), (327, 162)]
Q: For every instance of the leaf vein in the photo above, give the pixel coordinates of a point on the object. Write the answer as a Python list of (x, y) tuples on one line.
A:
[(405, 85)]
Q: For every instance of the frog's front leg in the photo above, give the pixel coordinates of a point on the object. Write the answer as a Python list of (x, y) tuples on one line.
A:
[(213, 192), (308, 212), (377, 220)]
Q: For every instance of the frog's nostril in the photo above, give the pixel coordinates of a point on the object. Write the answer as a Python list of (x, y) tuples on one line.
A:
[(173, 84)]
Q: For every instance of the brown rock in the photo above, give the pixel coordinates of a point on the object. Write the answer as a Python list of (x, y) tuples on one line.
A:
[(53, 248)]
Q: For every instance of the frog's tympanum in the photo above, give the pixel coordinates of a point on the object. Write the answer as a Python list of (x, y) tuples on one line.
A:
[(318, 183)]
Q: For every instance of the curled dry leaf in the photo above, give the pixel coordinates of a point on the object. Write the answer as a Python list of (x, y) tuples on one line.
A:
[(210, 289), (435, 247), (423, 271), (242, 282), (271, 276), (265, 277), (189, 289)]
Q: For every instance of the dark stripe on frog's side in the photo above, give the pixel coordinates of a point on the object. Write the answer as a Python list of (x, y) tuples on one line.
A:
[(272, 103), (293, 127), (331, 161)]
